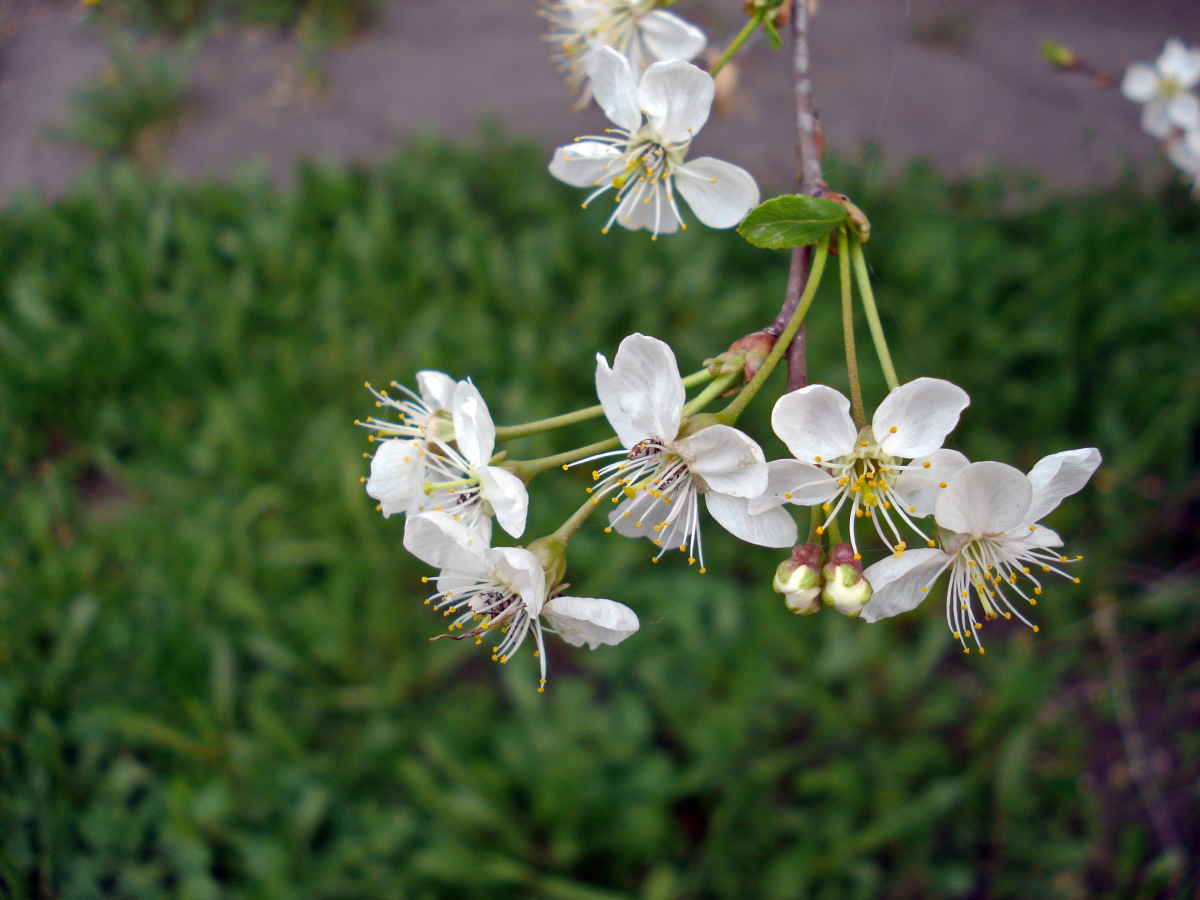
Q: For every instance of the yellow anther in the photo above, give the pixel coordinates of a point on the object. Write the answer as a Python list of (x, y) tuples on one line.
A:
[(787, 495), (926, 465), (941, 484), (892, 430)]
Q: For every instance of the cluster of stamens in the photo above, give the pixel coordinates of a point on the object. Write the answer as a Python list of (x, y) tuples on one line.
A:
[(448, 481), (655, 490), (488, 608), (866, 481), (991, 568), (645, 177)]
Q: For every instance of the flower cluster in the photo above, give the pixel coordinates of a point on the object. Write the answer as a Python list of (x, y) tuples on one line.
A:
[(671, 463), (985, 530), (1171, 110), (986, 515), (434, 464)]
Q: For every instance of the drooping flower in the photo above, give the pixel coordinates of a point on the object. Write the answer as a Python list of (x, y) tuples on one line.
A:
[(991, 542), (643, 160), (664, 470), (1165, 89), (501, 593), (836, 465), (437, 457), (636, 29)]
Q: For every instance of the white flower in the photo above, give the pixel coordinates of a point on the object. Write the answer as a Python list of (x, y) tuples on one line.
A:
[(1164, 88), (501, 592), (991, 542), (835, 464), (643, 162), (662, 472), (636, 29), (437, 458)]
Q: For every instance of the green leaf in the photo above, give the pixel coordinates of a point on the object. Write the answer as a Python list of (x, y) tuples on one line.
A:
[(792, 220), (772, 34)]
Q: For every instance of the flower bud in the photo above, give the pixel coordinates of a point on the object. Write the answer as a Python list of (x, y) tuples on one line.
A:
[(798, 578), (846, 590)]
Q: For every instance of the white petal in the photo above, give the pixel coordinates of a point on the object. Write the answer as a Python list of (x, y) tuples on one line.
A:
[(1041, 538), (918, 488), (896, 582), (590, 620), (609, 393), (1184, 111), (614, 87), (815, 423), (649, 390), (773, 528), (586, 163), (436, 539), (520, 570), (719, 193), (648, 206), (1057, 476), (436, 389), (791, 481), (473, 429), (985, 498), (676, 98), (1140, 83), (507, 495), (922, 413), (397, 476), (1155, 121), (667, 36), (727, 461), (1179, 63)]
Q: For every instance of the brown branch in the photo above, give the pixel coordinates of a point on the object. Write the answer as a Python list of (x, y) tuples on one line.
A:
[(809, 146)]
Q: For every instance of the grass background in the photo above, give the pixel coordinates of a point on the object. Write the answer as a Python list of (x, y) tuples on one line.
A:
[(215, 678)]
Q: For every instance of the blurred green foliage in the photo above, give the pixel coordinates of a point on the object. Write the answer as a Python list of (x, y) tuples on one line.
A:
[(336, 17), (215, 678), (129, 112)]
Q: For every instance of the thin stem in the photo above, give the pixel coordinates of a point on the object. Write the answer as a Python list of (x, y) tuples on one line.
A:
[(736, 44), (868, 299), (527, 469), (730, 414), (856, 400), (714, 390), (508, 432), (567, 529)]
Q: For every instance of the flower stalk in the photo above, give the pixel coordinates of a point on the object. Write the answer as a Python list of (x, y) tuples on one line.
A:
[(856, 400), (868, 298)]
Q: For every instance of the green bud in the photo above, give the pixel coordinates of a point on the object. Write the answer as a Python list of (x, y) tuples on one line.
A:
[(798, 578), (846, 590)]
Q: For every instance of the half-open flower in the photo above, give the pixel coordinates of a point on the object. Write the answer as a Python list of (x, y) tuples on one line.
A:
[(662, 472), (838, 466), (501, 593), (439, 459), (992, 543), (642, 159)]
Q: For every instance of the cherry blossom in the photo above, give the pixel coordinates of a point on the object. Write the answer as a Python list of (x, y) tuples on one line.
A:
[(642, 159)]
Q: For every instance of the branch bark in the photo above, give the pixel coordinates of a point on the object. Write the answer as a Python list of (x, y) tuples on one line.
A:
[(809, 146)]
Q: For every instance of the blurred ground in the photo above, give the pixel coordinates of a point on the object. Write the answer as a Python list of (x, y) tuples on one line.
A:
[(958, 81)]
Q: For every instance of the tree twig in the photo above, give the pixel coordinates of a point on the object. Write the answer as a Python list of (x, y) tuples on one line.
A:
[(812, 182)]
